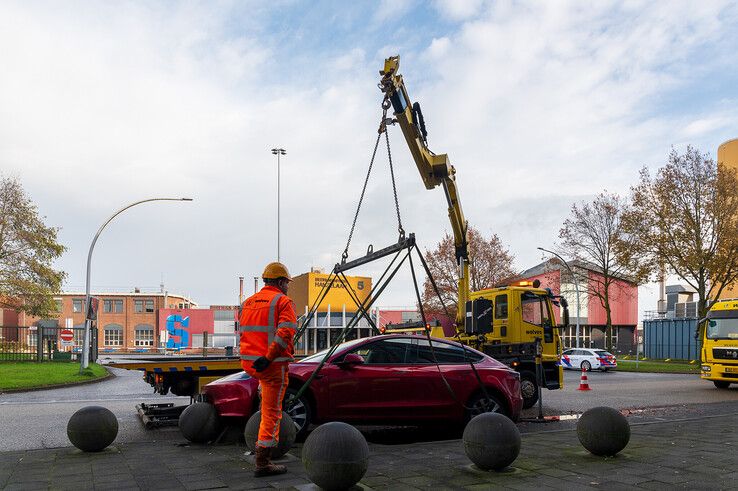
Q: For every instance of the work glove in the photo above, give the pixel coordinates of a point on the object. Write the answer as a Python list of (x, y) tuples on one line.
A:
[(261, 364)]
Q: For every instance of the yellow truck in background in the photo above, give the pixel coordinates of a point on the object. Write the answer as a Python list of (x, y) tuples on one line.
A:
[(720, 344)]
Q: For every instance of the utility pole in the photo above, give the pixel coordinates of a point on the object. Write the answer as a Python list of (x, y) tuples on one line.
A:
[(278, 152), (86, 343)]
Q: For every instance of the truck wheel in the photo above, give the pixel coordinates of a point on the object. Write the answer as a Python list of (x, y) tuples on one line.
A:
[(528, 389), (586, 366), (721, 384), (300, 412)]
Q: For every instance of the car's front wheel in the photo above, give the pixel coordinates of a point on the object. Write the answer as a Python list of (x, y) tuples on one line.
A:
[(721, 384), (586, 366), (481, 403), (299, 410)]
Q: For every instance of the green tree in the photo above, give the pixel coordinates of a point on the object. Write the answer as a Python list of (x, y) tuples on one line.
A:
[(489, 264), (686, 219), (27, 250), (594, 235)]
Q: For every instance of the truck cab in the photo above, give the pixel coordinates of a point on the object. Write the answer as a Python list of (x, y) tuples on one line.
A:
[(720, 344)]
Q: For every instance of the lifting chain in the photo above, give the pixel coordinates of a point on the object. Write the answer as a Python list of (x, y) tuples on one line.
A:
[(382, 129)]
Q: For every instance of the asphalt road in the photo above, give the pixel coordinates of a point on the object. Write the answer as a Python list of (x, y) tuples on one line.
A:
[(38, 419), (628, 390)]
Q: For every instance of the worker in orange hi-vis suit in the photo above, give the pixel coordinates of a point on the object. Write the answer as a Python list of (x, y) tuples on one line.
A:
[(267, 324)]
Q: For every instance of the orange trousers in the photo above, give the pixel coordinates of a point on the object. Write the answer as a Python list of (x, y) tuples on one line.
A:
[(273, 383)]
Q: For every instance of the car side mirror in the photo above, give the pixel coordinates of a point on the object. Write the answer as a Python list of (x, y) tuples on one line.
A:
[(352, 360)]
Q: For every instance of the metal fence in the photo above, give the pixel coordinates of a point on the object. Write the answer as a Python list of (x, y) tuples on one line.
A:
[(670, 338), (22, 343)]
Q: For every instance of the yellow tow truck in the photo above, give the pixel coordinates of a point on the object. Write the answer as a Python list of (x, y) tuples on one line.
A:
[(182, 375), (508, 322), (720, 344)]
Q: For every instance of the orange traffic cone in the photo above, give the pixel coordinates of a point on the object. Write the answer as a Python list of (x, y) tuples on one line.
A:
[(583, 384)]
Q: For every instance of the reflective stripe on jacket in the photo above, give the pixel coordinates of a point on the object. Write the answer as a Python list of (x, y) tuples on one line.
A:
[(267, 325)]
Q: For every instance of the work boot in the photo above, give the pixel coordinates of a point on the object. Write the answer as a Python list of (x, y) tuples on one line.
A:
[(264, 466)]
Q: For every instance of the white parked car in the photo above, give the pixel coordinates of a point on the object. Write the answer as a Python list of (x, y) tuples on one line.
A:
[(588, 359)]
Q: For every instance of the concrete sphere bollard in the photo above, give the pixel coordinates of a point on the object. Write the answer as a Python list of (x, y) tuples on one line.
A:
[(491, 441), (603, 431), (199, 422), (287, 434), (92, 428), (335, 456)]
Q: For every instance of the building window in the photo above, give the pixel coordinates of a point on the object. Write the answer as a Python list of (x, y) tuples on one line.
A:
[(113, 335), (113, 306), (224, 315), (57, 305), (144, 335), (77, 305), (143, 305), (569, 336)]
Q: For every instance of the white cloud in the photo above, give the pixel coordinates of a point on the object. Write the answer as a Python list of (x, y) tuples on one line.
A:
[(438, 48), (392, 9), (537, 104), (458, 10)]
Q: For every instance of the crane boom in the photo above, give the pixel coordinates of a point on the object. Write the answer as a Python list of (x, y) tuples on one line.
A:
[(434, 169)]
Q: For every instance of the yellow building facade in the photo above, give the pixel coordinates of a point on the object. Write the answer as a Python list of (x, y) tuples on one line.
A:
[(306, 289)]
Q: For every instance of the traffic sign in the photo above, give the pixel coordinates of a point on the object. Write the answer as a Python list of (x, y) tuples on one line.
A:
[(67, 337)]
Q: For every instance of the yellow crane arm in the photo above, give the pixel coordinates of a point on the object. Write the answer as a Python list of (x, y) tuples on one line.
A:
[(434, 169)]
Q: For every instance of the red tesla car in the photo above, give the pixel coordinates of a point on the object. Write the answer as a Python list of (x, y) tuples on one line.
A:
[(389, 379)]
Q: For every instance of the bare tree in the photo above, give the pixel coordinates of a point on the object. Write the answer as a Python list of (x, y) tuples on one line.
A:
[(490, 263), (27, 250), (686, 218), (594, 235)]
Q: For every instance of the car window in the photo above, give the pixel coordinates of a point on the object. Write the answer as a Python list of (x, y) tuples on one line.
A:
[(386, 351), (317, 357), (602, 352), (445, 353), (501, 306)]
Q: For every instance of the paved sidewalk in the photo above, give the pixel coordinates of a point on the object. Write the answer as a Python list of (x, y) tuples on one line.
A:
[(696, 453)]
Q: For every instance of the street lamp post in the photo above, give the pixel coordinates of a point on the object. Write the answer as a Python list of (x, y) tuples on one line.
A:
[(576, 285), (278, 152), (86, 342)]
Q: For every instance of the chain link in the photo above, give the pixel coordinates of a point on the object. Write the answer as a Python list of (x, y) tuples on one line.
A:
[(382, 129), (344, 256), (394, 188)]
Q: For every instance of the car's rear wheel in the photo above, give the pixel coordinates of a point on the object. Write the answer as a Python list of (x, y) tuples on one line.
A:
[(528, 389), (300, 411), (586, 366), (721, 384), (489, 403)]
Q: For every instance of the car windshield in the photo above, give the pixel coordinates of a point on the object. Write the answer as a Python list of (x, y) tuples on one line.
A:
[(317, 357), (722, 329), (603, 353)]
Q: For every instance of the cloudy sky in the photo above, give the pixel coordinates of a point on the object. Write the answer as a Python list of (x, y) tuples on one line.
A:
[(538, 104)]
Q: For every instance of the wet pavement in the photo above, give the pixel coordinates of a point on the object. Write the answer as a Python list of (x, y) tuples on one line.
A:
[(685, 446)]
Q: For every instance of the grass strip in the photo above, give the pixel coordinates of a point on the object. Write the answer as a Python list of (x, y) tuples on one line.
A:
[(658, 367), (30, 375)]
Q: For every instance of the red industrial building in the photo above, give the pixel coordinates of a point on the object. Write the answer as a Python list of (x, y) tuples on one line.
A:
[(592, 316)]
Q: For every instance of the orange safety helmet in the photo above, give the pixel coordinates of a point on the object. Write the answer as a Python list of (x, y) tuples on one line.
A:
[(275, 271)]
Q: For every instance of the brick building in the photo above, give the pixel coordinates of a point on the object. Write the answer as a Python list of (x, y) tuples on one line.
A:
[(125, 321), (592, 317)]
